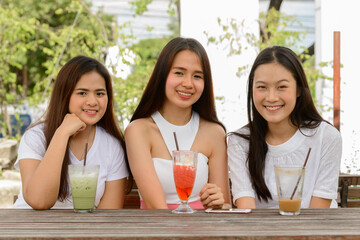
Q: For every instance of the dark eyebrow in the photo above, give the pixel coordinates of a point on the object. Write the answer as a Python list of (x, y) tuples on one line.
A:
[(259, 81), (282, 80), (277, 82), (81, 89), (184, 69), (86, 90), (101, 90)]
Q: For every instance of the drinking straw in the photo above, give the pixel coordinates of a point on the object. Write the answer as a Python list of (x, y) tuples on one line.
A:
[(86, 146), (176, 142), (297, 183)]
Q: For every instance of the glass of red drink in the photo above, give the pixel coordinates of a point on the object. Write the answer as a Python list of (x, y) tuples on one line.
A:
[(184, 167)]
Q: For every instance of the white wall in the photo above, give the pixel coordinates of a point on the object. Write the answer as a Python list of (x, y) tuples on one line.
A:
[(156, 17), (343, 16), (201, 15)]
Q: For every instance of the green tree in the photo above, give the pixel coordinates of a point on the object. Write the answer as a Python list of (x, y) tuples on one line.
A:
[(39, 36)]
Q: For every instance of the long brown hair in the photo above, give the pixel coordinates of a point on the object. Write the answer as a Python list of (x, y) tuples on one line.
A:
[(154, 93), (58, 107), (304, 115)]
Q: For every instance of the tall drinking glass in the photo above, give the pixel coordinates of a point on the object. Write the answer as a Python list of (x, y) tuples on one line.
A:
[(289, 183), (83, 182), (184, 167)]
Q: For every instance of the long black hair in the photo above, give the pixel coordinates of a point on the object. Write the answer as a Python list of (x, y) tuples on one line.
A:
[(58, 107), (304, 114)]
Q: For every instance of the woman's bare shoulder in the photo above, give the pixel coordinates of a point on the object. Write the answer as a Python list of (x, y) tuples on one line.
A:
[(214, 129), (140, 126)]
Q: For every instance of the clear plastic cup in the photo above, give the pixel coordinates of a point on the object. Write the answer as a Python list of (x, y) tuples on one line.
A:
[(289, 183), (83, 182)]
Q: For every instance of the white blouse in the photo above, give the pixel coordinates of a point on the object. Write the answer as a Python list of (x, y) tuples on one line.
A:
[(322, 169)]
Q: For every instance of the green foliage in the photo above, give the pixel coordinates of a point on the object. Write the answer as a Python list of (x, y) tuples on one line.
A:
[(274, 26), (140, 6), (37, 37), (128, 91), (172, 7)]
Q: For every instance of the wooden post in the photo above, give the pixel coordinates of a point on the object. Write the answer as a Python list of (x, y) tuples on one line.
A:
[(337, 79)]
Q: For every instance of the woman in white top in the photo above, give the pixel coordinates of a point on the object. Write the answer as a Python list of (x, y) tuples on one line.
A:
[(178, 98), (283, 125), (80, 111)]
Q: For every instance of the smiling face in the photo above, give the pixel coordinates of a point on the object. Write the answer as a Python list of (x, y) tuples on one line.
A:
[(89, 99), (274, 93), (185, 81)]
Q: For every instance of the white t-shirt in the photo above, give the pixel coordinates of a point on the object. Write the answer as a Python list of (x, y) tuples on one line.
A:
[(106, 151), (322, 168)]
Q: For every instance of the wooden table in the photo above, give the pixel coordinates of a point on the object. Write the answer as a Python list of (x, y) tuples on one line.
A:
[(343, 223)]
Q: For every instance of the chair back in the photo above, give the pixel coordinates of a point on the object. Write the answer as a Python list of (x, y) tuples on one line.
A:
[(349, 191), (132, 199)]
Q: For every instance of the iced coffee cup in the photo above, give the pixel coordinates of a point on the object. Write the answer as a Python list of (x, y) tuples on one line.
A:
[(289, 183), (83, 182)]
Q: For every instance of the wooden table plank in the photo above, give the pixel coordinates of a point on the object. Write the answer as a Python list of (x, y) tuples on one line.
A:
[(162, 224)]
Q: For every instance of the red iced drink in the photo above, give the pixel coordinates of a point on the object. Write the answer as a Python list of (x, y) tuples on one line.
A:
[(184, 180)]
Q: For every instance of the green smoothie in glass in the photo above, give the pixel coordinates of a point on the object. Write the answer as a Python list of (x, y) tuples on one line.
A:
[(83, 182)]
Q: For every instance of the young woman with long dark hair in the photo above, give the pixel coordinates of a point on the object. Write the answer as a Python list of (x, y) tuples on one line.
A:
[(80, 111), (178, 98), (283, 125)]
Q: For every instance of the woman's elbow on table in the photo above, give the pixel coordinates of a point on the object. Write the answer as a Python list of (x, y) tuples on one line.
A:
[(245, 203), (40, 204)]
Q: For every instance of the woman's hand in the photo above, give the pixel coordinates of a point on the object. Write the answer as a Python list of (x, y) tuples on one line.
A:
[(211, 196), (72, 125)]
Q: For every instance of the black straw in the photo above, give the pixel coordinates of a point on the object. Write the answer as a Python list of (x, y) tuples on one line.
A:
[(307, 157), (176, 142), (86, 146)]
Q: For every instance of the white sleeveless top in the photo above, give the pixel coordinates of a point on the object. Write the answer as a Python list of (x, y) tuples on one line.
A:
[(185, 136)]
